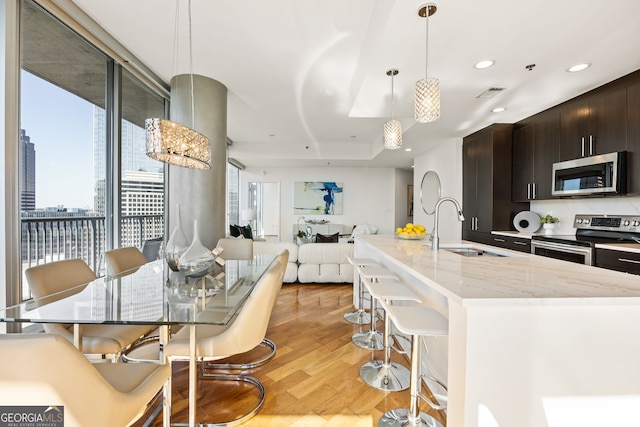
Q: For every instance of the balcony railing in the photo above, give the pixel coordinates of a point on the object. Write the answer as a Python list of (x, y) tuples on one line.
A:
[(57, 238)]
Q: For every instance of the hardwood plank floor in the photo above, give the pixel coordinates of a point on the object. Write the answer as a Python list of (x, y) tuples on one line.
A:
[(314, 380)]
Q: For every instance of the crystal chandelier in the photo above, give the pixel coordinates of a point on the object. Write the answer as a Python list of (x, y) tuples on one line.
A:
[(427, 96), (172, 142), (392, 128)]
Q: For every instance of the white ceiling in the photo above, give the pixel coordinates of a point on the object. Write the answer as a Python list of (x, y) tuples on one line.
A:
[(307, 78)]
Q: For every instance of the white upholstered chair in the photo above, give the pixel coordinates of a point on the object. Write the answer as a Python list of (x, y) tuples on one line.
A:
[(236, 248), (123, 259), (47, 370), (242, 334), (68, 275)]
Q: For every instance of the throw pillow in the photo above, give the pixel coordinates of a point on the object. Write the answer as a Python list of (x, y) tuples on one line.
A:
[(321, 238), (235, 230), (246, 232)]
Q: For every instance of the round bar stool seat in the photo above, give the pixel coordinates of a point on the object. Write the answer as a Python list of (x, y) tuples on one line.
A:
[(359, 316), (383, 374), (417, 321), (372, 339)]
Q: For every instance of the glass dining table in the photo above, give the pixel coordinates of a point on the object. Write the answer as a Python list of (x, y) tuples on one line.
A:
[(151, 295)]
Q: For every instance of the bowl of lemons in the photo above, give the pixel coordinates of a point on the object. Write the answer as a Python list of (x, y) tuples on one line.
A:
[(411, 232)]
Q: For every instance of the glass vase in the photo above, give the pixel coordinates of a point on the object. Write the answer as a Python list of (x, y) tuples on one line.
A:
[(176, 245), (197, 261)]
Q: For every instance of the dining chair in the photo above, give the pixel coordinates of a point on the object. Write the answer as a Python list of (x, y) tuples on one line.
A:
[(46, 370), (152, 248), (61, 279), (242, 334), (123, 259), (236, 248)]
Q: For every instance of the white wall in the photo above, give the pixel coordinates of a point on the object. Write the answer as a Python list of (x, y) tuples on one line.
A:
[(446, 160), (566, 209), (404, 178), (369, 194)]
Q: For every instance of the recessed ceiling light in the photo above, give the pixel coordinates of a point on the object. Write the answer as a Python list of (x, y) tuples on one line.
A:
[(484, 64), (578, 67), (407, 149), (498, 110)]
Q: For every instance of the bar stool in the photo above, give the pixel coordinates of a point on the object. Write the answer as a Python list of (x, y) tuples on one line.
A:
[(383, 374), (359, 316), (417, 322), (372, 339)]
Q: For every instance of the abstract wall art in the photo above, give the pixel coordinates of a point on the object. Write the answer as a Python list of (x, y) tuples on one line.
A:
[(317, 198)]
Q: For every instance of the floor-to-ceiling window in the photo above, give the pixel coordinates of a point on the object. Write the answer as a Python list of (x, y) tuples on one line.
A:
[(141, 178), (70, 97)]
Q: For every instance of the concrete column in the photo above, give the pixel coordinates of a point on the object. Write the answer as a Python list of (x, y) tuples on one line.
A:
[(201, 194)]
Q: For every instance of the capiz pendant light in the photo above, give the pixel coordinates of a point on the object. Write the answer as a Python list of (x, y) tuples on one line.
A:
[(392, 128), (172, 142), (427, 96)]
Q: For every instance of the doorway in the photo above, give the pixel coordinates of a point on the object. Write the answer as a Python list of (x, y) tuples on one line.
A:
[(264, 197)]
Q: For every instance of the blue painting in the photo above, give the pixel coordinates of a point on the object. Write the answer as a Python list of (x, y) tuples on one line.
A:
[(317, 198)]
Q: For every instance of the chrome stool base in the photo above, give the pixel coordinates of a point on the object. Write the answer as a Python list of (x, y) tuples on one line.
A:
[(400, 418), (369, 340), (385, 377), (359, 317)]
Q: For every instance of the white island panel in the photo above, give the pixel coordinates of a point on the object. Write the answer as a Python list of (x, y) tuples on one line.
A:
[(532, 341)]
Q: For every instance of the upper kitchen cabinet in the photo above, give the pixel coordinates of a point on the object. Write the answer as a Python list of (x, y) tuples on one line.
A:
[(595, 123), (486, 178), (535, 149), (633, 139)]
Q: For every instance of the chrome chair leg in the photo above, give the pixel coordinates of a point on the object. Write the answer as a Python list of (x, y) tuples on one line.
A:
[(383, 374)]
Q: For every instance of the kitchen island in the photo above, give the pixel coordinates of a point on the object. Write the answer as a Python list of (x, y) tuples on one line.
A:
[(533, 341)]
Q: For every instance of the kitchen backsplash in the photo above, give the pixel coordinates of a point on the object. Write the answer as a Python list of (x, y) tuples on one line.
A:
[(566, 209)]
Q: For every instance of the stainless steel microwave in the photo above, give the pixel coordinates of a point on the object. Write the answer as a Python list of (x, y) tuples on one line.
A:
[(590, 176)]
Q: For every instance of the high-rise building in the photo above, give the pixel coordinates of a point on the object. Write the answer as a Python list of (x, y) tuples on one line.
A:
[(27, 173)]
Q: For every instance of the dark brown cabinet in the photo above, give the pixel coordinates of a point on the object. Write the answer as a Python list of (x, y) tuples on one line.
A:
[(535, 149), (633, 139), (627, 262), (510, 242), (486, 177), (594, 124)]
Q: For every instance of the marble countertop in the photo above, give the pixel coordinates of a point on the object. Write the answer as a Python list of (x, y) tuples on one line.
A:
[(516, 234), (519, 278)]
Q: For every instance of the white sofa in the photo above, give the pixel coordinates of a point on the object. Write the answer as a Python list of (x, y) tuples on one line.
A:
[(325, 263), (312, 262), (274, 248)]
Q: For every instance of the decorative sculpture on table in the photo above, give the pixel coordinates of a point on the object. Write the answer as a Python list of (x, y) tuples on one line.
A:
[(177, 244), (197, 261)]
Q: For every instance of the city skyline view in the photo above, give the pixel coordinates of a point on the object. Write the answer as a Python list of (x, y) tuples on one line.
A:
[(63, 177), (69, 177)]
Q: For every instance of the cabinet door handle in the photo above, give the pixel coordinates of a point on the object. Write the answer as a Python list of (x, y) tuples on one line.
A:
[(528, 191), (633, 261), (520, 243), (535, 195), (582, 139), (476, 223), (591, 145), (495, 239)]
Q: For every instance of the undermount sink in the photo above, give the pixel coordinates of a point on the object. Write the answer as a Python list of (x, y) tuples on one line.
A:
[(470, 250)]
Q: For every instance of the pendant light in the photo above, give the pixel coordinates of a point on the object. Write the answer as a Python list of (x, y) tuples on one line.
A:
[(427, 96), (172, 142), (392, 128)]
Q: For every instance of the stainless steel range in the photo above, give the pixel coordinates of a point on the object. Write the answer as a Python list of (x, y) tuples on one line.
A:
[(590, 230)]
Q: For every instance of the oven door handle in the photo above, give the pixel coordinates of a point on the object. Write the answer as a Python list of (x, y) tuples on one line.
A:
[(560, 247)]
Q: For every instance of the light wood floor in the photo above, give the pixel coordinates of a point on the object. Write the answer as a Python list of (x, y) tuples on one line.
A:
[(314, 380)]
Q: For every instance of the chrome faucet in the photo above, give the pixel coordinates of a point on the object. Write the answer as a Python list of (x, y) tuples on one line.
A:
[(435, 240)]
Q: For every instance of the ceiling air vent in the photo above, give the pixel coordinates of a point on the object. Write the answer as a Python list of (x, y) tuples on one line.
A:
[(491, 92)]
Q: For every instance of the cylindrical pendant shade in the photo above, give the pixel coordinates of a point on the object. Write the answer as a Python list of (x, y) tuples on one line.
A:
[(427, 103), (173, 143), (392, 135)]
